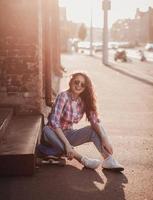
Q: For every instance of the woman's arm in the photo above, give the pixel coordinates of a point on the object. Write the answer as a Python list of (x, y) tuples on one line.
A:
[(55, 122), (68, 147)]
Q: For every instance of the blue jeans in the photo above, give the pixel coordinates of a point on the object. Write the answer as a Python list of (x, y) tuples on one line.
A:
[(75, 138)]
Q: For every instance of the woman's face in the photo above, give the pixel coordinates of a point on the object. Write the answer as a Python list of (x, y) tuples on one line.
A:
[(78, 85)]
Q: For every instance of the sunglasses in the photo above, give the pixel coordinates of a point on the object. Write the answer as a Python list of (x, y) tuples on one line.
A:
[(79, 83)]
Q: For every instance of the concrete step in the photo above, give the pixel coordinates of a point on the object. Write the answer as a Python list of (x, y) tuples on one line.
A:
[(5, 117), (17, 149)]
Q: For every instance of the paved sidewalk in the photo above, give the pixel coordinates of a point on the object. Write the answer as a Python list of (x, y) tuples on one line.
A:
[(142, 71), (126, 110), (125, 102)]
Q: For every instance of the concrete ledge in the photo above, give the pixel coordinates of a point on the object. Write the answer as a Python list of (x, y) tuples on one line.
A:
[(5, 117), (17, 150)]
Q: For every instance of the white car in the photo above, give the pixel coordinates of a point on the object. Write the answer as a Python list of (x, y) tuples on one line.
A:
[(97, 46), (149, 47), (84, 45)]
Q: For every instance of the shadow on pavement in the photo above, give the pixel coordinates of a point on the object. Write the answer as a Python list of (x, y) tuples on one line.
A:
[(114, 187), (64, 183), (128, 73), (134, 76)]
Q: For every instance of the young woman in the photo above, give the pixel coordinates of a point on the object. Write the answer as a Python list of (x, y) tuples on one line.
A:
[(69, 108)]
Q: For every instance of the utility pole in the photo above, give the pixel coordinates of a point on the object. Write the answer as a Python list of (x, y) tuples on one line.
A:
[(106, 5), (91, 31)]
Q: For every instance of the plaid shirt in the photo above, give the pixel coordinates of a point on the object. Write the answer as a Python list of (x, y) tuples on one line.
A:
[(67, 111)]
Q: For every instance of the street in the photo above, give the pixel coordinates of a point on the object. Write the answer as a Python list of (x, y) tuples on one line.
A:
[(132, 54), (135, 54), (133, 64), (125, 106)]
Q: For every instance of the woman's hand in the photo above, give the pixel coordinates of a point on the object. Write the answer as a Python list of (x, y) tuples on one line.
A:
[(108, 147), (68, 148), (70, 152)]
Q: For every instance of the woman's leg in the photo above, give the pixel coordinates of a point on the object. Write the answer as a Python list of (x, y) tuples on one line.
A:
[(84, 135), (54, 144), (56, 147), (87, 134)]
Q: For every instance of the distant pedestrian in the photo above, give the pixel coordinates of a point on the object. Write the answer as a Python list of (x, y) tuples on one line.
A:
[(142, 56), (60, 137)]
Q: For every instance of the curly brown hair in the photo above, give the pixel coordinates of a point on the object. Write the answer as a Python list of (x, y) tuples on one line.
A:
[(88, 95)]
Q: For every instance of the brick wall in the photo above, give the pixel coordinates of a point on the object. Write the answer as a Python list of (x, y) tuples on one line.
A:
[(21, 78)]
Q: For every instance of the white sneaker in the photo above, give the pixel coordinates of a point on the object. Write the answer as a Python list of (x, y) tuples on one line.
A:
[(112, 164), (90, 162)]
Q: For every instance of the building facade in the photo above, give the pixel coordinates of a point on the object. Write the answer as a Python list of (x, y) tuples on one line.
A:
[(137, 30), (30, 68)]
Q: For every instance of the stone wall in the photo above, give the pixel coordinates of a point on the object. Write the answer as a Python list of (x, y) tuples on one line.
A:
[(21, 77)]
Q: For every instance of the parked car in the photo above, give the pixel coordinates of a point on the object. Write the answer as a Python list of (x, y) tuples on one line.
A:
[(97, 46), (120, 54), (113, 45), (84, 45), (149, 47)]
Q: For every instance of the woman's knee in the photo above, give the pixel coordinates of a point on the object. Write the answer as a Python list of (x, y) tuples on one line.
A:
[(94, 135), (51, 137)]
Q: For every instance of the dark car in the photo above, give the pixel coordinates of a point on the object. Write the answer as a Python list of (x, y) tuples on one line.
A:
[(120, 54)]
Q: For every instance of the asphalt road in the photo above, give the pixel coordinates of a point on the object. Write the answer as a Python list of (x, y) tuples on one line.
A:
[(126, 110)]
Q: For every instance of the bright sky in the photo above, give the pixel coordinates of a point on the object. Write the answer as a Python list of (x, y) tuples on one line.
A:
[(79, 10)]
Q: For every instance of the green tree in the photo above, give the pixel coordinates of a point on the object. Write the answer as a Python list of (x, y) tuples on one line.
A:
[(82, 33)]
